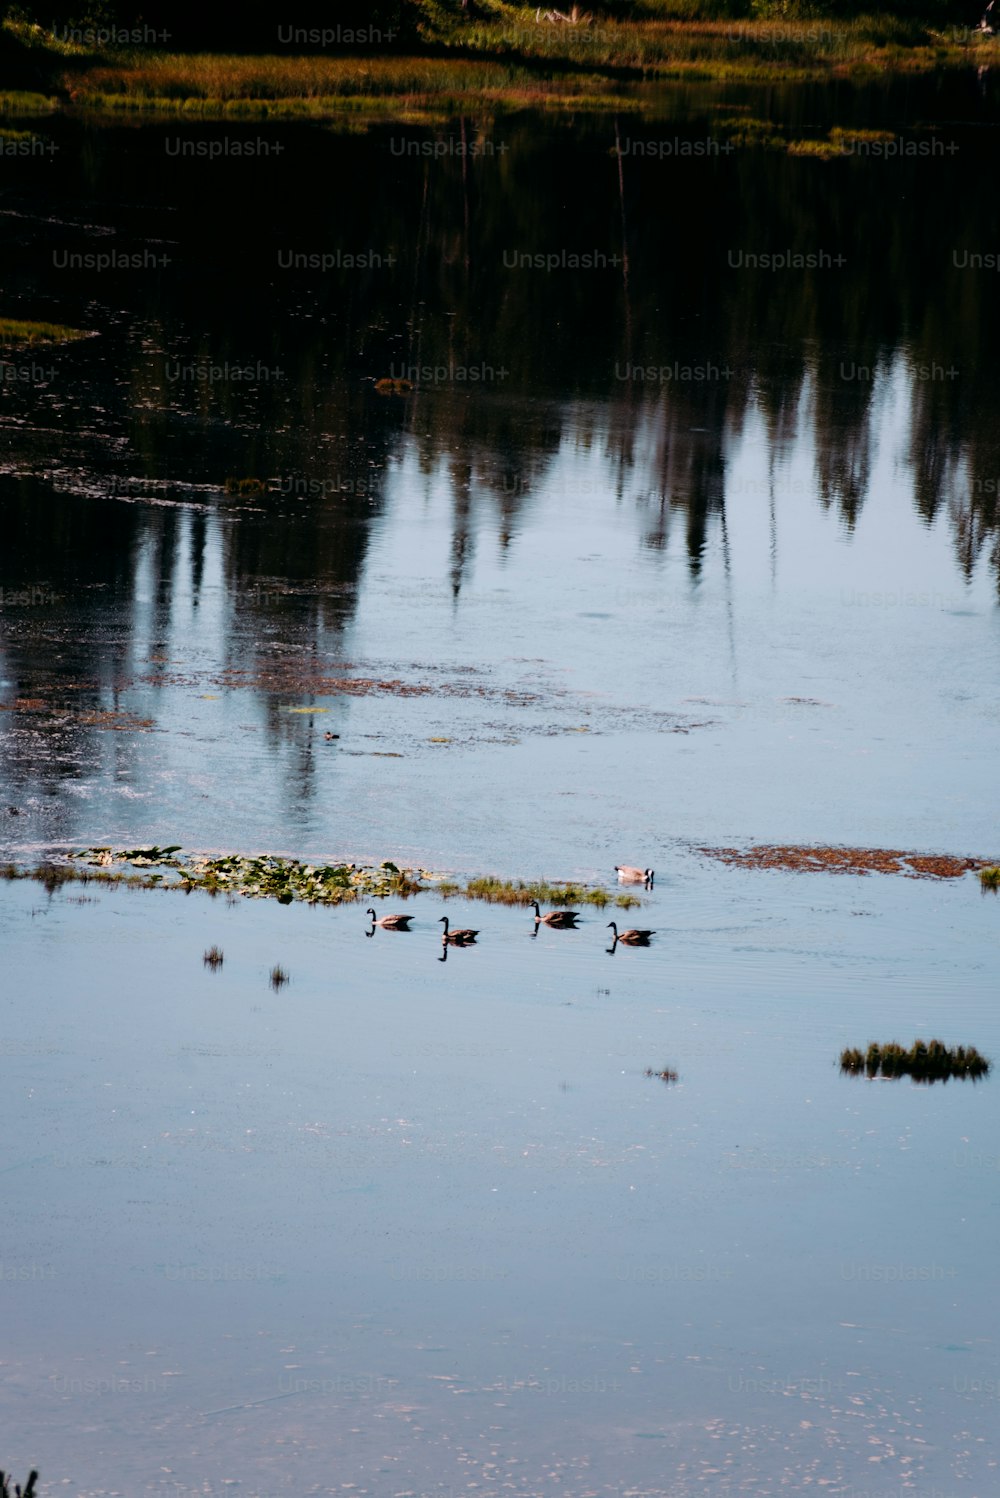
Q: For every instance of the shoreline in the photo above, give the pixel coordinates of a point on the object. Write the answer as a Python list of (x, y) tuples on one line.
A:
[(496, 67)]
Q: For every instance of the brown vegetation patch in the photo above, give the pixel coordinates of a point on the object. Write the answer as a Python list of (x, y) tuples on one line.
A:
[(120, 722), (847, 860)]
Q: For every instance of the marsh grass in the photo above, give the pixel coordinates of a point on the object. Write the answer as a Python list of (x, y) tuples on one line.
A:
[(15, 331), (505, 63), (14, 101), (506, 892), (925, 1061), (990, 878), (214, 958)]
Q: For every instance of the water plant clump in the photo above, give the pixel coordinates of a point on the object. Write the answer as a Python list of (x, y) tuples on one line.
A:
[(508, 892), (15, 331), (214, 958), (268, 877), (989, 878), (264, 877), (278, 977), (925, 1061), (28, 1491), (665, 1074)]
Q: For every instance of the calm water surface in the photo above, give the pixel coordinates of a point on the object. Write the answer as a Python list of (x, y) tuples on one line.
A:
[(706, 552)]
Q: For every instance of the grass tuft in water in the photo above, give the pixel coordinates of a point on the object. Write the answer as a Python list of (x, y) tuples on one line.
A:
[(28, 1491), (13, 101), (506, 892), (15, 331), (990, 878), (214, 958), (925, 1061), (278, 977), (245, 486)]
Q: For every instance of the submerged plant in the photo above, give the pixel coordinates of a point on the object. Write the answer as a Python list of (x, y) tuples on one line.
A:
[(213, 958), (925, 1061)]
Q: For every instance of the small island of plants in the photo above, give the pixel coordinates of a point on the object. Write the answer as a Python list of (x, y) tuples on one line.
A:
[(925, 1061)]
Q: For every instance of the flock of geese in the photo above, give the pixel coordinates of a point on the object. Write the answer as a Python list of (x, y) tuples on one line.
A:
[(559, 920)]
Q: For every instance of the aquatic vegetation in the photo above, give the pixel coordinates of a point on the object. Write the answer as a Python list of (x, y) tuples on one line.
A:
[(17, 102), (989, 878), (498, 63), (15, 331), (925, 1061), (506, 892), (245, 486), (746, 131), (28, 1491), (278, 977), (821, 150), (265, 877), (666, 1074), (847, 860), (289, 879), (214, 958)]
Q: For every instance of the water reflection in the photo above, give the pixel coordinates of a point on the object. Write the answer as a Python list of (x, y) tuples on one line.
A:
[(216, 466)]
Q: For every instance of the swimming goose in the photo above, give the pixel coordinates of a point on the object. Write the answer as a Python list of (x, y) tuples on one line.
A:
[(634, 876), (460, 937), (562, 920), (633, 937), (391, 922)]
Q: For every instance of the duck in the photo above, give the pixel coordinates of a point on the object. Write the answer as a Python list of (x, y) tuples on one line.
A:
[(390, 922), (633, 937), (634, 876), (460, 937), (562, 920)]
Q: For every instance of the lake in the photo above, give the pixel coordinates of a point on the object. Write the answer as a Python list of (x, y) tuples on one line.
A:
[(621, 487)]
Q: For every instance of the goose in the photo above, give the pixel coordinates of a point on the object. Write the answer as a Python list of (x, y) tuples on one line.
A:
[(634, 876), (391, 922), (562, 920), (459, 938), (633, 937)]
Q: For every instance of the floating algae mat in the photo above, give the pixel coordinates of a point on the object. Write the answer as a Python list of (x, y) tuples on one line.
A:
[(925, 1061), (850, 861)]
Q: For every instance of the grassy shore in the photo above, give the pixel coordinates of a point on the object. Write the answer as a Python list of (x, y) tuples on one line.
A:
[(507, 63)]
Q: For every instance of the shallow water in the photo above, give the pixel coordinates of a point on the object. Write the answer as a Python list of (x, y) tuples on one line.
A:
[(420, 1226), (417, 1227)]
